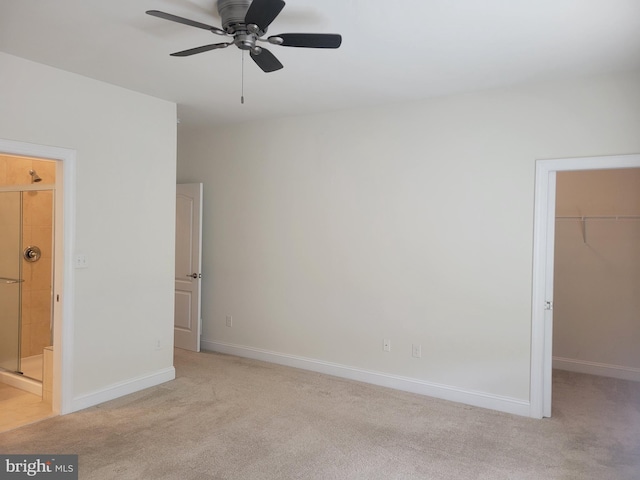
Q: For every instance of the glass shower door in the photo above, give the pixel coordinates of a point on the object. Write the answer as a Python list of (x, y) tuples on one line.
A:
[(10, 279)]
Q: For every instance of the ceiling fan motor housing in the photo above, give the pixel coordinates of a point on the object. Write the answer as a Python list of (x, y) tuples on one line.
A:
[(232, 13)]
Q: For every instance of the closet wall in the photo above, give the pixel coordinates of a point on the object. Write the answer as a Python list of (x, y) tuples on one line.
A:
[(597, 273)]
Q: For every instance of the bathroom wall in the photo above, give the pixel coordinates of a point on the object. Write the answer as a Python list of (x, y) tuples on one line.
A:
[(37, 222)]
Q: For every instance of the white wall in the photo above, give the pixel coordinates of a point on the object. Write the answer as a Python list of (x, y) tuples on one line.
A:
[(597, 283), (326, 234), (125, 204)]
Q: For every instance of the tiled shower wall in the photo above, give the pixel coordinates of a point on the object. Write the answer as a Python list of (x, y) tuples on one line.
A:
[(37, 229), (36, 289)]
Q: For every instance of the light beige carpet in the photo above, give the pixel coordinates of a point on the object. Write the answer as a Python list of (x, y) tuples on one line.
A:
[(230, 418)]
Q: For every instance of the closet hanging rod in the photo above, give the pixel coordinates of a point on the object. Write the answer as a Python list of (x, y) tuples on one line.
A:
[(583, 221), (600, 217)]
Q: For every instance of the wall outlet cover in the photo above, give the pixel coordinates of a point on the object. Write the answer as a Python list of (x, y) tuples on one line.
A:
[(81, 261)]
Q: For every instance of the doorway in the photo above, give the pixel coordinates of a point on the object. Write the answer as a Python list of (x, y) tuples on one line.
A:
[(27, 191), (543, 268), (63, 275), (596, 329)]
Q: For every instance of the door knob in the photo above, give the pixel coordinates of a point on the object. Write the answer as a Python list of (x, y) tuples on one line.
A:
[(194, 275)]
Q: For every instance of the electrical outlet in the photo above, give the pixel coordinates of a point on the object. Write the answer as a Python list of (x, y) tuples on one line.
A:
[(386, 345), (229, 321), (158, 344), (416, 351)]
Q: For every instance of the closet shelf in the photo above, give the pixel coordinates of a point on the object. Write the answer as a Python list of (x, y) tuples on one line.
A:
[(586, 218)]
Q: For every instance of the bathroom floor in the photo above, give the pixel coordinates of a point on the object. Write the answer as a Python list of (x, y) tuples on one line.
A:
[(18, 408)]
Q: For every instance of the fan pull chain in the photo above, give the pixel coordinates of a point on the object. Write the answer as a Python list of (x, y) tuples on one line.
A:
[(242, 81)]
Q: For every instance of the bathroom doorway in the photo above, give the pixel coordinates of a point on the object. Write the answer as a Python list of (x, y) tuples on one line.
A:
[(27, 220)]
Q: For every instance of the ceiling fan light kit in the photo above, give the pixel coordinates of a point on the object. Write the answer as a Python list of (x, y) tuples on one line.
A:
[(246, 22)]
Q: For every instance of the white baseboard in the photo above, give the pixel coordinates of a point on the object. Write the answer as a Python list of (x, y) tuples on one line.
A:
[(477, 399), (593, 368), (123, 388)]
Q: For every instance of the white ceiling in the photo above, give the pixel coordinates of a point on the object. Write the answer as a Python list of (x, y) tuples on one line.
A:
[(392, 51)]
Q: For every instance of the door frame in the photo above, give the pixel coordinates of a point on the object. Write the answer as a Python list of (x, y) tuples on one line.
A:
[(64, 274), (543, 264)]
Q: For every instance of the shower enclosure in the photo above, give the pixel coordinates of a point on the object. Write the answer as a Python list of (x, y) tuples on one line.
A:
[(10, 279), (26, 275)]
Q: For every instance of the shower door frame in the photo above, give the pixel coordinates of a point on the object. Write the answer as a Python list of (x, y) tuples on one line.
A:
[(22, 189), (12, 279), (64, 274)]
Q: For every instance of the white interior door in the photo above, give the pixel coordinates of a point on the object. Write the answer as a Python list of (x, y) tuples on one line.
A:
[(187, 320)]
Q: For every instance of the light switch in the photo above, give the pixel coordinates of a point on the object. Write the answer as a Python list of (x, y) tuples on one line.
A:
[(81, 261)]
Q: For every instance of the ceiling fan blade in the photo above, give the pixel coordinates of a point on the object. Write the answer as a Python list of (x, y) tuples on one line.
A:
[(263, 12), (205, 48), (308, 40), (185, 21), (266, 61)]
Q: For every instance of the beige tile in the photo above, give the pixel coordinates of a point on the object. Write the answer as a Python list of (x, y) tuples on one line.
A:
[(41, 275), (40, 338), (42, 212), (3, 170), (32, 366), (28, 200), (27, 232), (26, 307), (47, 375), (46, 170), (42, 237), (40, 327), (18, 171), (27, 269), (38, 208), (19, 408), (25, 341), (40, 301), (41, 318)]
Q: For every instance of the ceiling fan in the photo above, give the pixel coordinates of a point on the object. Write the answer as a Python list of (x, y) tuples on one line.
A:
[(246, 22)]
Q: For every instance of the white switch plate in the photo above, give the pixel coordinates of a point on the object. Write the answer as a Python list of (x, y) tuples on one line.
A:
[(81, 261)]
